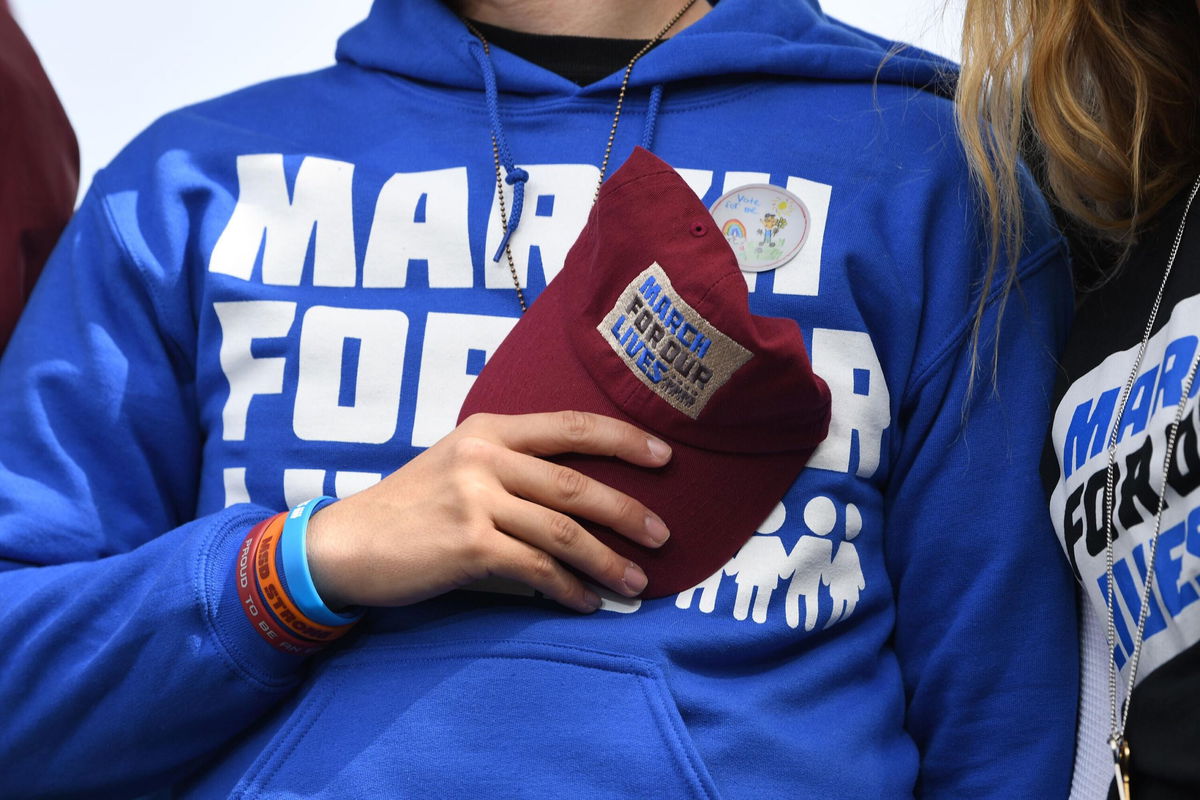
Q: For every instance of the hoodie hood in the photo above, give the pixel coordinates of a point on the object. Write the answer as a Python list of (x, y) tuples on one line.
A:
[(425, 41)]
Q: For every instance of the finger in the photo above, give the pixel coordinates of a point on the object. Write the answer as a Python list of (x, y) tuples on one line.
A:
[(567, 490), (568, 542), (557, 432), (517, 560)]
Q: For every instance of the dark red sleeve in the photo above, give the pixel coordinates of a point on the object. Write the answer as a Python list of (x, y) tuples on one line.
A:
[(39, 170)]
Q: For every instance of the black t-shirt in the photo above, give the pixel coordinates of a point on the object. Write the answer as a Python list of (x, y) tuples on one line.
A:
[(579, 59), (1164, 718)]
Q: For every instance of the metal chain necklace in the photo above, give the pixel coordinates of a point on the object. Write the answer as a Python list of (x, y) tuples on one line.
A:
[(1117, 720), (612, 135)]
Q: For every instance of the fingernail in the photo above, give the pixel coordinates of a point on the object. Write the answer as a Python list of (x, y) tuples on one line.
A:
[(591, 600), (656, 530), (659, 449), (634, 580)]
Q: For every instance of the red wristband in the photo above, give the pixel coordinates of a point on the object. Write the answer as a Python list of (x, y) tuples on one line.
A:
[(252, 605)]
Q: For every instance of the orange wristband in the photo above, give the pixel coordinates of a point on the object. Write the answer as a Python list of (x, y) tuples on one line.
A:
[(252, 606), (277, 597)]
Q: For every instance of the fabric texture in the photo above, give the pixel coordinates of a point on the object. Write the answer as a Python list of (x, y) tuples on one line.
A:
[(1164, 715), (288, 292)]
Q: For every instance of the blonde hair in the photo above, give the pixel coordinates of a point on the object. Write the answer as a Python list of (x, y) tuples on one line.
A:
[(1102, 97)]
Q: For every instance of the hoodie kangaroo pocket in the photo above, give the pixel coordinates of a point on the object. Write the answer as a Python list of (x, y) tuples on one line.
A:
[(504, 719)]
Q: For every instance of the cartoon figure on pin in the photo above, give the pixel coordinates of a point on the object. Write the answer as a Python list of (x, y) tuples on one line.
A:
[(765, 225)]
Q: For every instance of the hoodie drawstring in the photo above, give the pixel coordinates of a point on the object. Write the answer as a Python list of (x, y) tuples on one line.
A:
[(652, 117), (514, 176)]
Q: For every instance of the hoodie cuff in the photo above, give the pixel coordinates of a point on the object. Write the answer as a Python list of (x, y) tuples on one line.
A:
[(246, 652)]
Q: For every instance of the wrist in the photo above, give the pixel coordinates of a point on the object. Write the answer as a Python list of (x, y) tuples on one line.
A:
[(326, 559), (276, 590), (297, 569)]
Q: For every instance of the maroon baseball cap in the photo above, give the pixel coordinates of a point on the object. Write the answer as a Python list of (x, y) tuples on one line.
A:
[(649, 322)]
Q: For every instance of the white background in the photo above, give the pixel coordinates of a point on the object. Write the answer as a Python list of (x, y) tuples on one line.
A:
[(120, 64)]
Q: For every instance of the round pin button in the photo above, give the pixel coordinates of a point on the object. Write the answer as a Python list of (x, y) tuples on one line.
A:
[(765, 225)]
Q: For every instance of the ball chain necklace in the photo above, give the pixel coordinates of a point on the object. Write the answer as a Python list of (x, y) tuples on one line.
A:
[(516, 174), (1116, 740)]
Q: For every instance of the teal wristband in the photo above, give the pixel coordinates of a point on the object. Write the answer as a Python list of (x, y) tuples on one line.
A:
[(293, 546)]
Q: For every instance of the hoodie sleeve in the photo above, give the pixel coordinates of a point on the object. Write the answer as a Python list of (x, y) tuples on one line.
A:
[(127, 657), (985, 627)]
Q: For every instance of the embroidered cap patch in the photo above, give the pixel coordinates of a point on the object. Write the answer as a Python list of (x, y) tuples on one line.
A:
[(665, 342)]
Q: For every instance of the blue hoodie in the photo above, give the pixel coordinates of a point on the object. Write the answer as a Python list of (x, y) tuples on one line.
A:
[(287, 292)]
